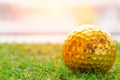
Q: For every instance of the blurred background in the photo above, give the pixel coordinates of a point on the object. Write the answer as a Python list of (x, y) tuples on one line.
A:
[(36, 21)]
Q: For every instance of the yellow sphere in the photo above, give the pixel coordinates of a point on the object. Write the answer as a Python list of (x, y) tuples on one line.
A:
[(89, 49)]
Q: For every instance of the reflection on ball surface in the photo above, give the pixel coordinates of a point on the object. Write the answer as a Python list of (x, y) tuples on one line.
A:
[(89, 49)]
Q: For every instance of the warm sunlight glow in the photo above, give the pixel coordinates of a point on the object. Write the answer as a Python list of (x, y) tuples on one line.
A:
[(54, 6), (55, 17)]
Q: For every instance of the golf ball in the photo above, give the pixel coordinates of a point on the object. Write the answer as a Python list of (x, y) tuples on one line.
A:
[(89, 49)]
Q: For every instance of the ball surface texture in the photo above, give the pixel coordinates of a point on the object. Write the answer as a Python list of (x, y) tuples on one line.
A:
[(89, 49)]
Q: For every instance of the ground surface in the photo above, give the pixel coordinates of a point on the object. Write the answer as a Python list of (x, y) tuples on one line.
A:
[(44, 62)]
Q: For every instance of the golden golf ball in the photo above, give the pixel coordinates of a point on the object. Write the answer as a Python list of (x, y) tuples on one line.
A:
[(89, 49)]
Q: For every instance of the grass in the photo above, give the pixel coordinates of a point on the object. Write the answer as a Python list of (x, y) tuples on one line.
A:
[(44, 62)]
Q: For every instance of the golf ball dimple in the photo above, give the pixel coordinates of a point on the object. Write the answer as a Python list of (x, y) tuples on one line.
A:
[(89, 49)]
